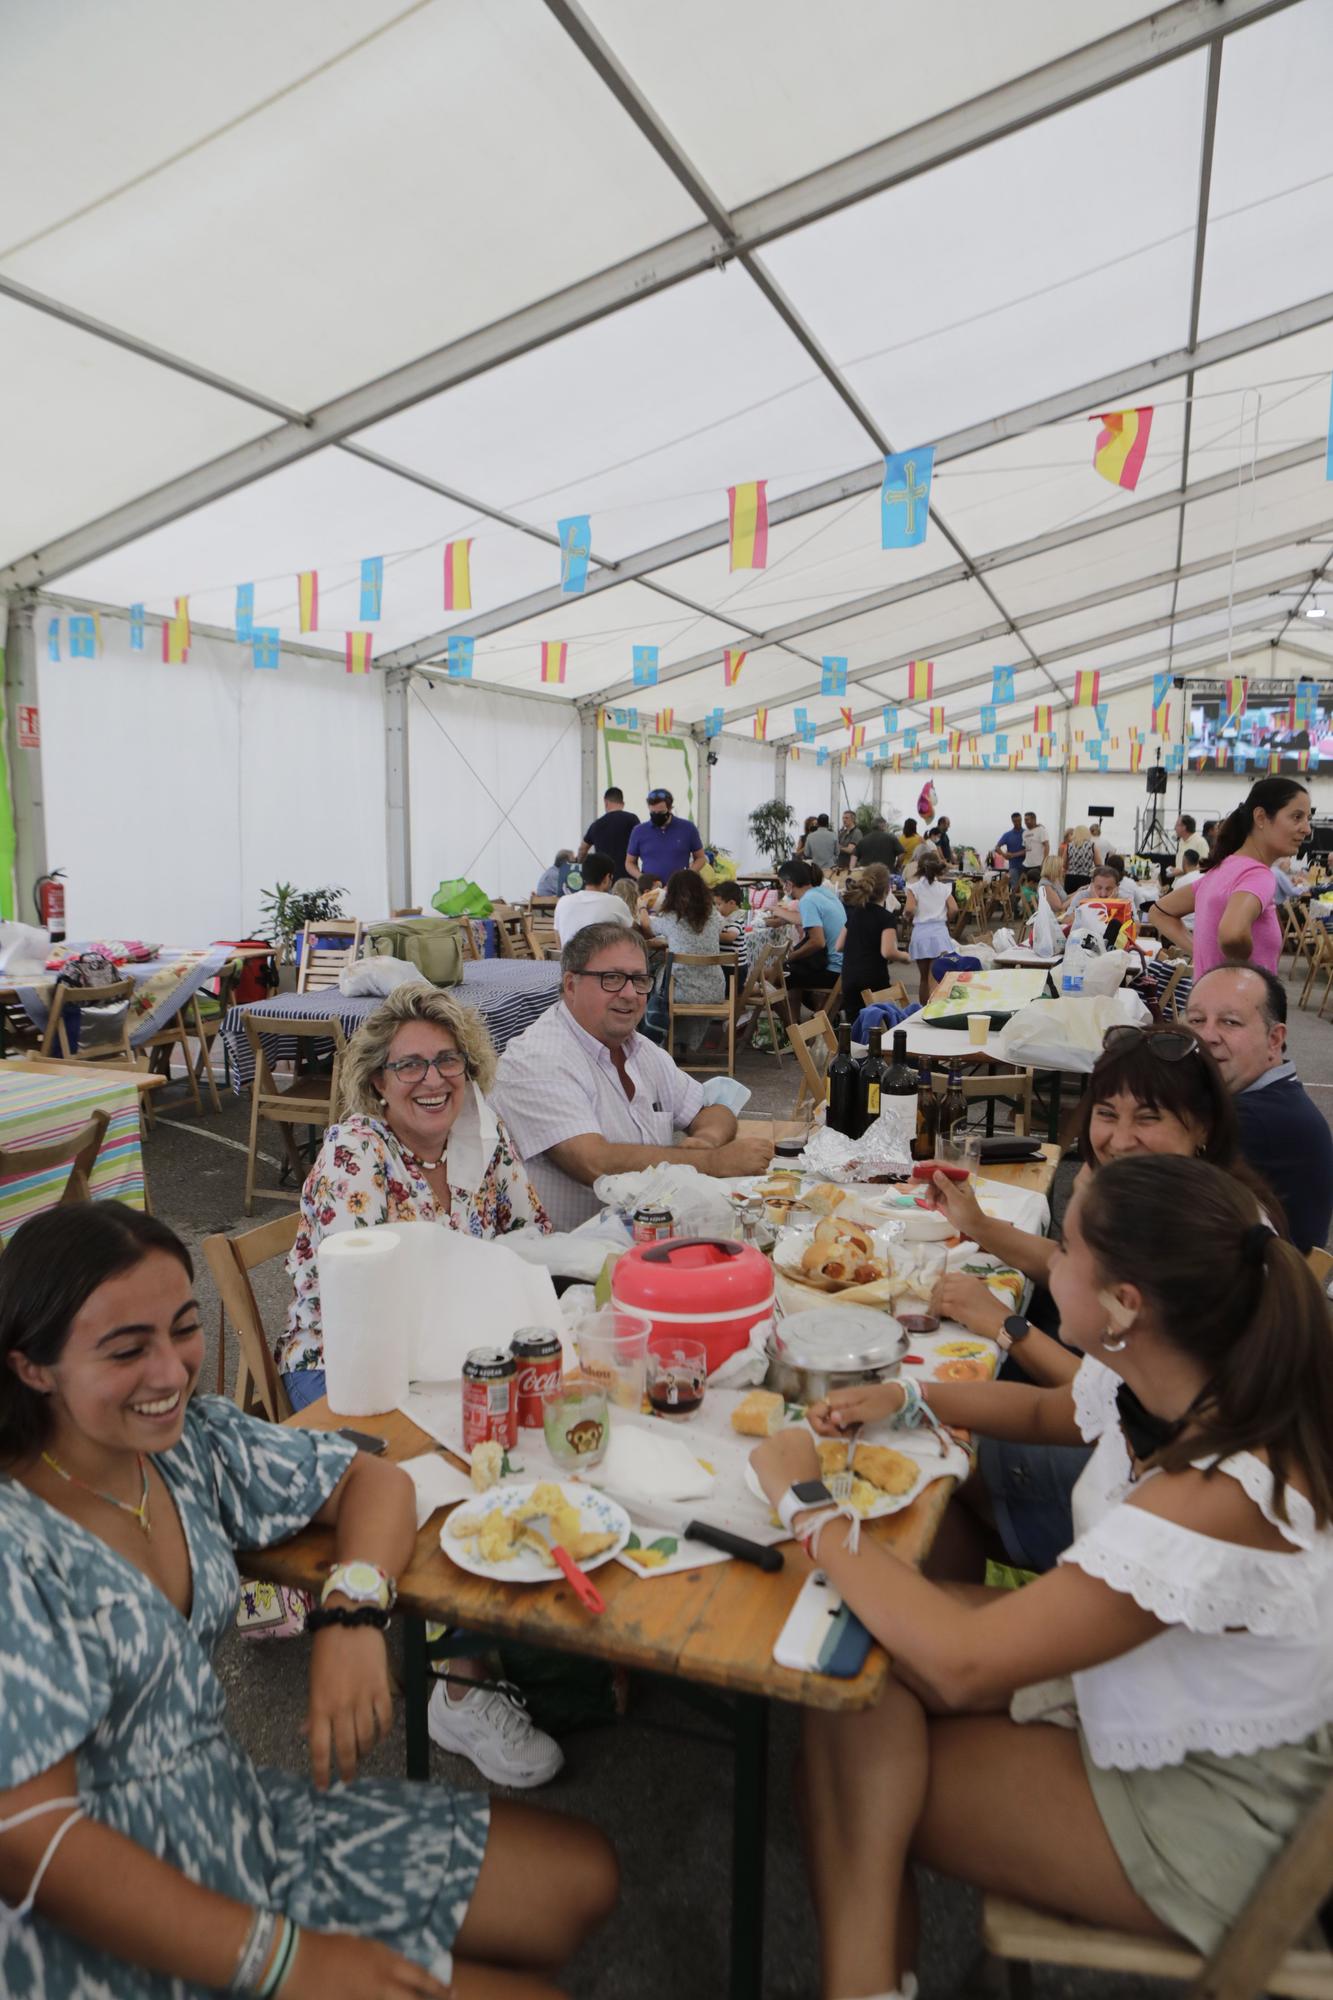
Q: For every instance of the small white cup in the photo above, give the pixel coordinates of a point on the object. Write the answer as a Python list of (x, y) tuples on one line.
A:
[(978, 1029)]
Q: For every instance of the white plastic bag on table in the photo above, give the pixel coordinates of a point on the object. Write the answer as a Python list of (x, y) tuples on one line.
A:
[(1004, 940), (1067, 1034), (1047, 937), (374, 978), (1092, 967)]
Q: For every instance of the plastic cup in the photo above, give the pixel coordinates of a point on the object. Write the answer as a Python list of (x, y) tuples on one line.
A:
[(978, 1029), (612, 1346), (575, 1422)]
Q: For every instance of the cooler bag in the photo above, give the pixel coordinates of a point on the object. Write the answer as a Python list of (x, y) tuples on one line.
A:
[(430, 943)]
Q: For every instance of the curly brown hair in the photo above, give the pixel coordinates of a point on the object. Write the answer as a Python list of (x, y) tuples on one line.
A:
[(687, 897)]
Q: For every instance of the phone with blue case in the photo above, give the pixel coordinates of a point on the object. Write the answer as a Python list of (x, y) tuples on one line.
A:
[(822, 1635)]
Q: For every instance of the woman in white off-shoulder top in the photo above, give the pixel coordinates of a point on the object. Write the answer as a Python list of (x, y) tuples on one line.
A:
[(1132, 1738)]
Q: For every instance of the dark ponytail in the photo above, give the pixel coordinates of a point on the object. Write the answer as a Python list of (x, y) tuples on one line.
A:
[(1225, 1290), (1267, 795)]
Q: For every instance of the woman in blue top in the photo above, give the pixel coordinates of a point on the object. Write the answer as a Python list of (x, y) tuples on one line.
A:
[(815, 961), (141, 1852)]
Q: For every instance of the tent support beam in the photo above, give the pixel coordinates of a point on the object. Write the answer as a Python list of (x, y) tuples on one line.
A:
[(588, 733), (397, 791), (780, 761), (25, 766), (703, 786)]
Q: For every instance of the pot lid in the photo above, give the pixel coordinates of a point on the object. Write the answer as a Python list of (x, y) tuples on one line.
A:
[(840, 1339)]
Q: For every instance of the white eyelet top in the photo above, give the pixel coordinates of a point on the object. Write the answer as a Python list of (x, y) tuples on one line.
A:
[(1247, 1661)]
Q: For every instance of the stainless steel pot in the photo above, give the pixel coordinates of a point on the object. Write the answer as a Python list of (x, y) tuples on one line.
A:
[(832, 1347)]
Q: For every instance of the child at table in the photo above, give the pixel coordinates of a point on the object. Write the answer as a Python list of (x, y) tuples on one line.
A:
[(134, 1832), (1169, 1687)]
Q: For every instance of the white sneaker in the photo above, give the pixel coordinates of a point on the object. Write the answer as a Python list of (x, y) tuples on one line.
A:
[(491, 1727)]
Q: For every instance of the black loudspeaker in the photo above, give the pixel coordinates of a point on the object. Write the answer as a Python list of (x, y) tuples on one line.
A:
[(1156, 781)]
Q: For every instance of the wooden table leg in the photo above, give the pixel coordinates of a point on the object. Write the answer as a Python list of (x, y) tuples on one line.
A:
[(416, 1694), (748, 1840)]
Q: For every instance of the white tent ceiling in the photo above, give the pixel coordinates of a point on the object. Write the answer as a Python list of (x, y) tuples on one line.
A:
[(284, 287)]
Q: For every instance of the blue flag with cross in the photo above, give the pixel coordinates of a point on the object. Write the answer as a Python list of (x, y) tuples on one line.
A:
[(904, 503)]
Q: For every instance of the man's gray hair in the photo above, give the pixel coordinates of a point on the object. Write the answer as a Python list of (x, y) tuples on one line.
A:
[(584, 946)]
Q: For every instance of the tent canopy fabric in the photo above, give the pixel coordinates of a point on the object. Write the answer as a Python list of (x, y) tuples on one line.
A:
[(284, 288)]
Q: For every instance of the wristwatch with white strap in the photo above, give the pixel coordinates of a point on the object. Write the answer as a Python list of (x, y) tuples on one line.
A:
[(361, 1583)]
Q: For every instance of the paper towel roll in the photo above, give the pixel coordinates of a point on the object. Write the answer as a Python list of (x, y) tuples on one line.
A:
[(369, 1309)]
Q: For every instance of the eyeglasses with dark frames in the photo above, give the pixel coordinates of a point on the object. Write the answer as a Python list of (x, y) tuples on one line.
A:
[(616, 982), (449, 1062)]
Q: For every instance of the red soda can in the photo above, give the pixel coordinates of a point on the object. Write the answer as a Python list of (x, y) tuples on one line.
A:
[(490, 1403), (538, 1354)]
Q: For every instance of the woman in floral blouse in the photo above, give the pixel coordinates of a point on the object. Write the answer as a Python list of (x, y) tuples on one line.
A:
[(418, 1142)]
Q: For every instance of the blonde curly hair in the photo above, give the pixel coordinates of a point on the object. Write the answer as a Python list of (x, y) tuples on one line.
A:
[(368, 1050)]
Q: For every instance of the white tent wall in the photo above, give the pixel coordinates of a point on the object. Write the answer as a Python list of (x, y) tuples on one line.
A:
[(175, 794), (807, 786), (978, 803), (742, 779), (495, 787)]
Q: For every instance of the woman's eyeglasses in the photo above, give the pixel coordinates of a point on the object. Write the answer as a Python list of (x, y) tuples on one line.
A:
[(1168, 1044), (449, 1062), (616, 982)]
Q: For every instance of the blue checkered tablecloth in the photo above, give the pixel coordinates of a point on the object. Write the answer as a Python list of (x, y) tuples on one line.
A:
[(36, 1000), (509, 992)]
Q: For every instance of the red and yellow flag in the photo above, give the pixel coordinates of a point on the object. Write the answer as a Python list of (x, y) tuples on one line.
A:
[(795, 753), (1236, 694), (554, 655), (1135, 756), (920, 680), (748, 514), (1274, 762), (458, 575), (665, 718), (858, 736), (1302, 759), (360, 652), (1161, 719), (937, 720), (1122, 443), (761, 725), (175, 639), (1041, 718), (1086, 690), (846, 715), (307, 597), (732, 661), (955, 739), (183, 619), (1221, 751)]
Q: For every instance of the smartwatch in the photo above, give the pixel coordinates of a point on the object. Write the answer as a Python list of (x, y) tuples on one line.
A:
[(363, 1583), (798, 1499), (1014, 1330)]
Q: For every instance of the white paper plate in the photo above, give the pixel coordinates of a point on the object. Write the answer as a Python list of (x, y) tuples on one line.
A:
[(598, 1513), (888, 1503)]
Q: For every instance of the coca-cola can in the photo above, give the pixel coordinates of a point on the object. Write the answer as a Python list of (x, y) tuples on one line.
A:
[(490, 1399), (537, 1351), (653, 1224)]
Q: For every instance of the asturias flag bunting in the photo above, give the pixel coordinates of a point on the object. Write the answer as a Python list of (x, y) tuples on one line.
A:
[(458, 657), (748, 515), (458, 575), (554, 655), (645, 666), (1001, 685), (904, 503), (307, 597), (245, 611), (575, 548), (360, 651), (1122, 444), (833, 674), (1161, 708), (372, 589)]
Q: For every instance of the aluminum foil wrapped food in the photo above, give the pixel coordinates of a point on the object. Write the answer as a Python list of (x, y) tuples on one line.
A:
[(884, 1148)]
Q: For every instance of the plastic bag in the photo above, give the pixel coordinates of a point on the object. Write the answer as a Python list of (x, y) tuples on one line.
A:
[(1047, 938), (1004, 941), (1092, 970), (461, 898), (1068, 1034), (375, 977)]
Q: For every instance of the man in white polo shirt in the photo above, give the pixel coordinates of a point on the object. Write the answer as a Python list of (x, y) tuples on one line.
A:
[(582, 1093), (593, 903), (1036, 844)]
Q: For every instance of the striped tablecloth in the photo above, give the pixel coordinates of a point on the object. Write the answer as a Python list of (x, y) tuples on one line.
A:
[(179, 975), (36, 1110), (510, 992)]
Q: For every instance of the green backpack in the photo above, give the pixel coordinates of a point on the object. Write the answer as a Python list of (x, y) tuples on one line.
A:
[(461, 898), (432, 945)]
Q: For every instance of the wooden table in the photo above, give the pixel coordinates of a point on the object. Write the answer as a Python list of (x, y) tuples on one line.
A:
[(712, 1629)]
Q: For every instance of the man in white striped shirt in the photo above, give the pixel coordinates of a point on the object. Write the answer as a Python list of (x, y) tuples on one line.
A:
[(583, 1093)]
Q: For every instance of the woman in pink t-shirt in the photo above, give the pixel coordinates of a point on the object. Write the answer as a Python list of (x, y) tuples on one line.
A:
[(1235, 922)]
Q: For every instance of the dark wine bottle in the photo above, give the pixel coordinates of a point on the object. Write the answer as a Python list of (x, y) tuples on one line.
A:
[(841, 1114), (899, 1078), (953, 1113), (927, 1116), (869, 1084)]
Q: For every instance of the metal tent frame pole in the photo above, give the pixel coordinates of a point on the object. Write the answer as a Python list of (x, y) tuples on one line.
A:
[(25, 765), (397, 791)]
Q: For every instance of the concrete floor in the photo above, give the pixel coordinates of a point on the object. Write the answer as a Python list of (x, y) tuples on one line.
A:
[(656, 1782)]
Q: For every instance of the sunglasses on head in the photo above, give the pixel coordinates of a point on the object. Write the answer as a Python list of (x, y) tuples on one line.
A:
[(1167, 1044)]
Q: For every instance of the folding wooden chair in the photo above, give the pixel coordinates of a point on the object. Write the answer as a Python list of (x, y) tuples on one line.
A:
[(327, 949), (414, 910), (1321, 1263), (803, 1035), (1274, 1946), (541, 928), (703, 1010), (160, 1048), (765, 987), (94, 1001), (309, 1099), (1321, 960), (78, 1151), (1168, 1006), (512, 932), (259, 1388), (887, 996)]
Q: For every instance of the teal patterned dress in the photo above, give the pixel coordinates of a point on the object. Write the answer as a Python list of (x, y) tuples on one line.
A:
[(95, 1660)]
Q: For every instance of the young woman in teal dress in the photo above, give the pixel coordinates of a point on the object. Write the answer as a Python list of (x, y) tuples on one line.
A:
[(134, 1832)]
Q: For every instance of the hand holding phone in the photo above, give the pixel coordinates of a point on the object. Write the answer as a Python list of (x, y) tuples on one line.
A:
[(366, 1441)]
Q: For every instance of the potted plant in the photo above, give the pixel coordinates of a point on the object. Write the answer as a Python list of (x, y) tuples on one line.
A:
[(286, 910), (773, 830)]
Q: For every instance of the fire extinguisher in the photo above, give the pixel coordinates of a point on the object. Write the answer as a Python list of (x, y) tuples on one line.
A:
[(49, 896)]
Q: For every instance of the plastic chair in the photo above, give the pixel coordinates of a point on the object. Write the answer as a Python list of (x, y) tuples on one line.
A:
[(259, 1388)]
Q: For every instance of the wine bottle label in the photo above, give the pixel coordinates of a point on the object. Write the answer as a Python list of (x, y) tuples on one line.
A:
[(828, 1090), (872, 1099)]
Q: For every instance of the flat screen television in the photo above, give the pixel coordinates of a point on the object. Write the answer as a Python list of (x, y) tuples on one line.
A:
[(1277, 718)]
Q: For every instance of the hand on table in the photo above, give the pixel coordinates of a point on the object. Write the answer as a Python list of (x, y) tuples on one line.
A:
[(351, 1700), (971, 1302), (329, 1965), (866, 1403), (784, 1458), (743, 1155)]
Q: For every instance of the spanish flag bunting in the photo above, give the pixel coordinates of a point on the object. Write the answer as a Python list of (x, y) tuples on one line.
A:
[(601, 718), (937, 720), (858, 736), (183, 619), (1086, 689), (307, 593), (175, 641), (1080, 735), (1122, 443), (1135, 756), (795, 753), (1302, 760), (554, 655), (761, 725), (458, 575), (732, 661), (1236, 691), (360, 651), (920, 680), (897, 760), (665, 718), (1161, 707), (1041, 718), (1013, 760), (1073, 761), (955, 739), (1221, 752), (846, 715), (1274, 761), (748, 515)]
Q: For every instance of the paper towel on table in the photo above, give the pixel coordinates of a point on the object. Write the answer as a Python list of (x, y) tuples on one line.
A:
[(368, 1306), (581, 1254), (647, 1465), (478, 1294), (436, 1482)]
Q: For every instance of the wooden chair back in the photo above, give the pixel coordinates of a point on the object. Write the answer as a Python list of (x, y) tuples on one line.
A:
[(259, 1388), (1167, 1004), (310, 1098), (339, 941), (512, 932), (1321, 960), (704, 1010), (1321, 1263), (413, 910), (66, 998), (77, 1150), (803, 1035), (764, 990), (887, 996), (1012, 1087)]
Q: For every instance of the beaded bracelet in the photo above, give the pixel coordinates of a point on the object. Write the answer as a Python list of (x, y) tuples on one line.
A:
[(255, 1951), (365, 1614)]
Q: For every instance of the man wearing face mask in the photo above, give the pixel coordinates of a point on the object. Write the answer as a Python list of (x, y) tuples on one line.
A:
[(665, 843)]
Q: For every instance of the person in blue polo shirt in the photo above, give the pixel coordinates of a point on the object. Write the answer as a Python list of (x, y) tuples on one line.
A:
[(664, 843), (816, 960), (1010, 844)]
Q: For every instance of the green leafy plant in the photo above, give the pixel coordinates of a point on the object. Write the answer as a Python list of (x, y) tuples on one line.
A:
[(286, 909), (773, 830)]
